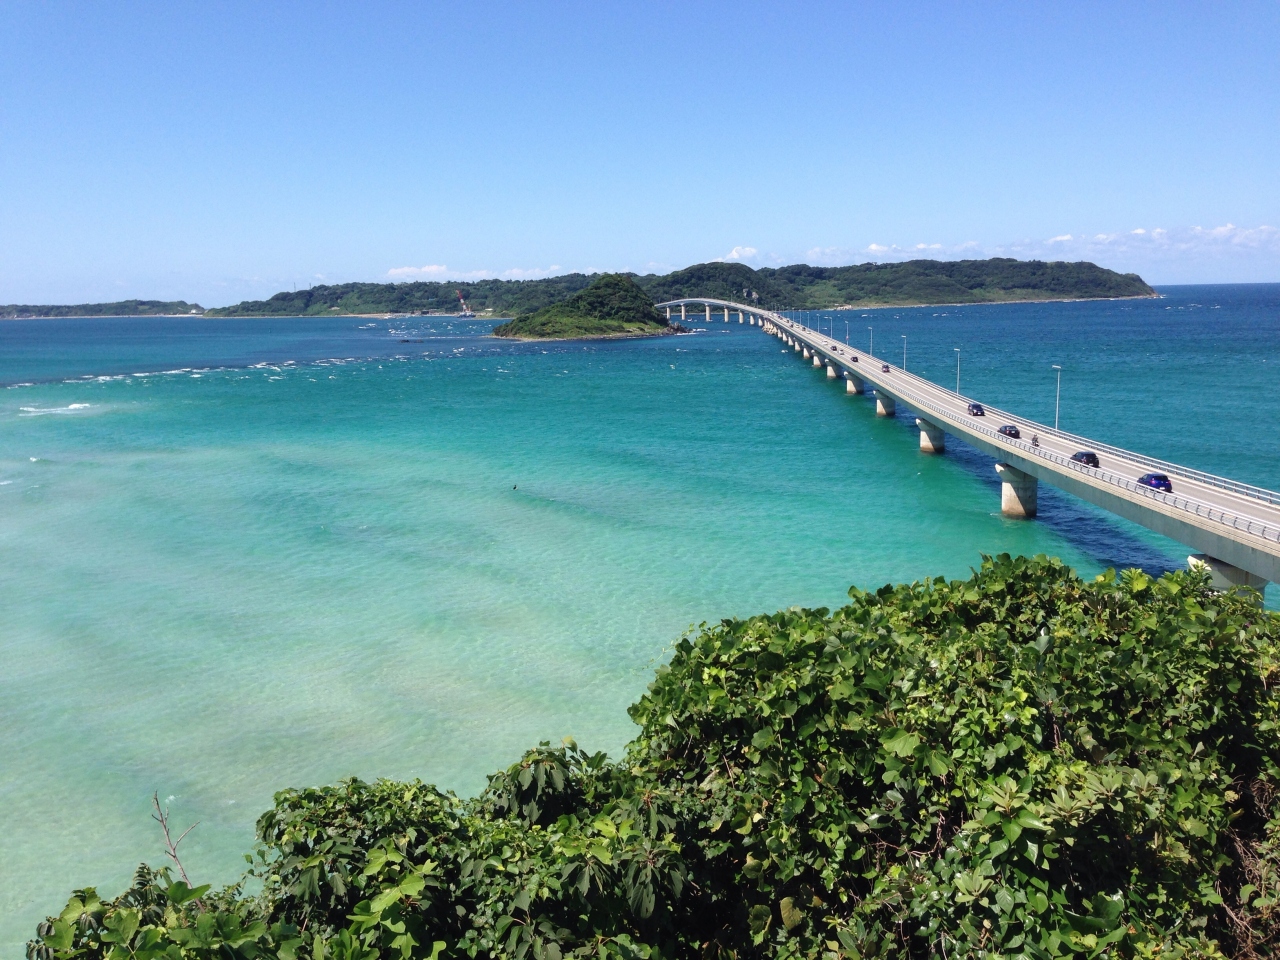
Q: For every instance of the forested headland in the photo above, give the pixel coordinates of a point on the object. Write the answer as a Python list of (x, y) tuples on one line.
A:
[(612, 306), (798, 287), (795, 287), (120, 308), (1020, 764)]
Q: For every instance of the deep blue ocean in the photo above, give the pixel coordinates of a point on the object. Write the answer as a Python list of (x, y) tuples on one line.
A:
[(239, 555)]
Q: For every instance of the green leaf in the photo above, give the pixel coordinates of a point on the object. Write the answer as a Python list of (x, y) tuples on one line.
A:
[(1004, 900), (759, 917), (899, 742), (791, 915)]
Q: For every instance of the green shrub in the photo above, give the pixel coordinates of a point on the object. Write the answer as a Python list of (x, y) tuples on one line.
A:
[(1022, 764), (612, 305)]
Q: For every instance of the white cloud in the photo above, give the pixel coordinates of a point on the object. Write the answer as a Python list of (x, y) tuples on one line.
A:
[(739, 254), (532, 273), (1227, 253), (438, 271), (434, 271)]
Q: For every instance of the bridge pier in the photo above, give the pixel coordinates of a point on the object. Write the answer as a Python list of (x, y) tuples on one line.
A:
[(668, 313), (932, 439), (682, 316), (804, 352), (708, 313), (795, 345), (831, 370), (885, 407), (739, 316), (1018, 491), (1224, 576), (853, 384), (817, 359)]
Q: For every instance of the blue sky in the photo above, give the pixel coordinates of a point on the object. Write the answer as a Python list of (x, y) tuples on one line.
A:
[(219, 151)]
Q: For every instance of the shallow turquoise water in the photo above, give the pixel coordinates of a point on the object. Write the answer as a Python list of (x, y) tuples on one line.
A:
[(219, 582)]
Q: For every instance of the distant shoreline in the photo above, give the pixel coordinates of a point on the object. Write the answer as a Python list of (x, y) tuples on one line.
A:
[(249, 316), (454, 316), (666, 332), (986, 303)]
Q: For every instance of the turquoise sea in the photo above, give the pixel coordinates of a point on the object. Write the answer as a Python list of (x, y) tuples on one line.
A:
[(237, 555)]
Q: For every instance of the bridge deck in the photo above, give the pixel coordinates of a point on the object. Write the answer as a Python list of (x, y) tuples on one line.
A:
[(1233, 522)]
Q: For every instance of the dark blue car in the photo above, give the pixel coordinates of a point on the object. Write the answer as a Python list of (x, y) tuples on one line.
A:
[(1087, 457), (1156, 481)]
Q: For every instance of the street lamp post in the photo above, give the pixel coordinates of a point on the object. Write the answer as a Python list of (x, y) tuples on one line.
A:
[(846, 333), (871, 350), (957, 350), (1057, 397), (904, 353)]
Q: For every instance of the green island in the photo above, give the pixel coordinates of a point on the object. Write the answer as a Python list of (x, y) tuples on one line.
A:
[(799, 287), (612, 306), (120, 308), (1023, 764)]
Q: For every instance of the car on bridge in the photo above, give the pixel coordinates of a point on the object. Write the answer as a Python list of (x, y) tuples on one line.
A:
[(1156, 481), (884, 368), (1010, 431), (975, 410), (1087, 457)]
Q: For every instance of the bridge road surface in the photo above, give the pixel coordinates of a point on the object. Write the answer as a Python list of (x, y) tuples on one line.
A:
[(1233, 525)]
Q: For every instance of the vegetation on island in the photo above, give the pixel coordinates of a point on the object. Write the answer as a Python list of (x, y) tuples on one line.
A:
[(491, 297), (895, 284), (120, 308), (798, 287), (612, 306), (1021, 764), (795, 287)]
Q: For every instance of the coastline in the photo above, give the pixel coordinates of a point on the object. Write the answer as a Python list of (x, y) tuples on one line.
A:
[(669, 332), (986, 303), (425, 316)]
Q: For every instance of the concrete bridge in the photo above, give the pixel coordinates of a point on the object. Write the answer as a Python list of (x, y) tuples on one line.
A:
[(1234, 527)]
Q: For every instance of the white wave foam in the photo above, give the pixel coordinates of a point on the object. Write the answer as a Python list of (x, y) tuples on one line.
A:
[(41, 411)]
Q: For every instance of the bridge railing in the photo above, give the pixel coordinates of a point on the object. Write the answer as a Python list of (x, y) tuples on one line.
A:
[(1243, 522), (1248, 490), (1237, 521)]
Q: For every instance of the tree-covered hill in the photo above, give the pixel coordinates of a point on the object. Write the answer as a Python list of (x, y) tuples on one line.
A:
[(794, 287), (492, 297), (916, 281), (120, 308), (1023, 764), (613, 306)]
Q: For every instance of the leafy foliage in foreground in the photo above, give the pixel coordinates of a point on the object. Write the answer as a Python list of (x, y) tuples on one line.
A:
[(612, 306), (1022, 764)]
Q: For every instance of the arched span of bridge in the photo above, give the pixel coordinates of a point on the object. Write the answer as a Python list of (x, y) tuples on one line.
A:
[(1234, 526), (744, 312)]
